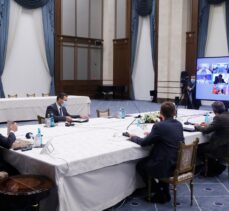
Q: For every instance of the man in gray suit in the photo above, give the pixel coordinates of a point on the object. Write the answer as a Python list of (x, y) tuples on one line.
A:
[(218, 144)]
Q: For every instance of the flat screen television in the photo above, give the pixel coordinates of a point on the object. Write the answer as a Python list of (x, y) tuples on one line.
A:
[(212, 78)]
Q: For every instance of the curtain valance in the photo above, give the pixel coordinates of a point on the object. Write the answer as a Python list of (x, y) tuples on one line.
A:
[(32, 4)]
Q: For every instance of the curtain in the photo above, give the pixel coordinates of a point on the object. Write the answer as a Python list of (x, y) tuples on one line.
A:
[(134, 31), (152, 28), (4, 24), (48, 24), (227, 22), (203, 26), (143, 71), (32, 4)]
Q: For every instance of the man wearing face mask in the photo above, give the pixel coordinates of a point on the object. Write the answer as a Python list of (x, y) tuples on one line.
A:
[(59, 110)]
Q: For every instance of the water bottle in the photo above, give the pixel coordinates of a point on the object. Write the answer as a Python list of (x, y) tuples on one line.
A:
[(138, 123), (206, 118), (38, 138), (52, 123), (48, 121), (122, 113)]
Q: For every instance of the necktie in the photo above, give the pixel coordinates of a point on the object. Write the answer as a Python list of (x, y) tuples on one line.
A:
[(61, 112)]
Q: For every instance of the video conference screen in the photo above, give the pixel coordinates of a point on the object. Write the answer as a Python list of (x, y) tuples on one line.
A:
[(212, 78)]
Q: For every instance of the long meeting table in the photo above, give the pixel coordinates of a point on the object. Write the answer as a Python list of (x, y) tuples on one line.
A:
[(27, 108), (92, 164)]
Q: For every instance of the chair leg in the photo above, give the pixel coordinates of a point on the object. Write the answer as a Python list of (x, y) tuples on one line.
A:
[(174, 197), (191, 188), (206, 166), (149, 189)]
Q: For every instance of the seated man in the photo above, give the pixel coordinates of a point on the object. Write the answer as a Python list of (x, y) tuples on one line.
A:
[(59, 111), (218, 145), (165, 137), (219, 79), (7, 142)]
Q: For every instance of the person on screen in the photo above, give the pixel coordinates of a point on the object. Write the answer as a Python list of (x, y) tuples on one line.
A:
[(192, 103), (7, 142), (218, 141), (219, 79), (59, 111), (165, 137)]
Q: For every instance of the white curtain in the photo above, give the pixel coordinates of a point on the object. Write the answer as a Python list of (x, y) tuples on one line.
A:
[(217, 37), (143, 71), (26, 69)]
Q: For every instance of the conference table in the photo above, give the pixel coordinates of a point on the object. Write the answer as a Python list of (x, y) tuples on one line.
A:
[(92, 164), (27, 108)]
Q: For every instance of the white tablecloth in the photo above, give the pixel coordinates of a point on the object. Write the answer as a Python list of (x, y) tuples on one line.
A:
[(92, 164), (28, 108)]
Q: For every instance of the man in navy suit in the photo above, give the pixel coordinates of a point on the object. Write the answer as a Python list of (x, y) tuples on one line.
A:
[(7, 142), (165, 137), (59, 111)]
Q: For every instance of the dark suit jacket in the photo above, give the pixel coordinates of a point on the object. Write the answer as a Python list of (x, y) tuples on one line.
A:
[(165, 137), (219, 139), (52, 109), (7, 142)]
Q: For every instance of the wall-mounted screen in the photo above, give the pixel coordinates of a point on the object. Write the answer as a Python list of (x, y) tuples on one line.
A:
[(212, 78)]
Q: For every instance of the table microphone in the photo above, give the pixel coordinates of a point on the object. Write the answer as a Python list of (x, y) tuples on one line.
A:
[(126, 133)]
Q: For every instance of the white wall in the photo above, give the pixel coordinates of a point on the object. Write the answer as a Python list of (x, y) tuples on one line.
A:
[(108, 36), (174, 22)]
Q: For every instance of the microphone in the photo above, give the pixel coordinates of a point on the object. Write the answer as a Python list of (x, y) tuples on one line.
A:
[(126, 133)]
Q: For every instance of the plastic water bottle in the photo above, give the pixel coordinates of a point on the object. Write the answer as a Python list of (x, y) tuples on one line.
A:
[(206, 120), (38, 138), (48, 121), (52, 123), (122, 113), (138, 123)]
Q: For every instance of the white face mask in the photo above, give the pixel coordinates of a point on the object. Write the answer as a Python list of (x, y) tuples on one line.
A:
[(65, 104), (193, 81)]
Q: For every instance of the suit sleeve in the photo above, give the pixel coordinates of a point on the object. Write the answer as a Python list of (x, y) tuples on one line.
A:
[(7, 142), (211, 127), (149, 139)]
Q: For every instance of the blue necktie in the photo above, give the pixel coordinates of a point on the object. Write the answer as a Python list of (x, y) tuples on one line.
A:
[(61, 112)]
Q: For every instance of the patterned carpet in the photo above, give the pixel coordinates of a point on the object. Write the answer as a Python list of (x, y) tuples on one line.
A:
[(210, 194)]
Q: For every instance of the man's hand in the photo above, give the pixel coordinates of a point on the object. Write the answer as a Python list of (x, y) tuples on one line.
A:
[(13, 127), (68, 119), (202, 124), (84, 117)]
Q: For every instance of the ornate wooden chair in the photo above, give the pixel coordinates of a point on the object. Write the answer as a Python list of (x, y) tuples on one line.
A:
[(184, 171), (12, 96), (103, 113), (40, 119), (31, 95), (45, 94)]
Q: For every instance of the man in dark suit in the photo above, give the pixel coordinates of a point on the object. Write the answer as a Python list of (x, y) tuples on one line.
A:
[(219, 79), (59, 111), (218, 144), (165, 137), (7, 142)]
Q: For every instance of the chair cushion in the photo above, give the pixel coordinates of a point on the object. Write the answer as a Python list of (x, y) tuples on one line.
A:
[(182, 177)]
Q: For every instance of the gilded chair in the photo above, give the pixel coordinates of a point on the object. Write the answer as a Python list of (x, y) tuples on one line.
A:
[(184, 172), (12, 96), (40, 119), (103, 113), (45, 94), (31, 95)]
